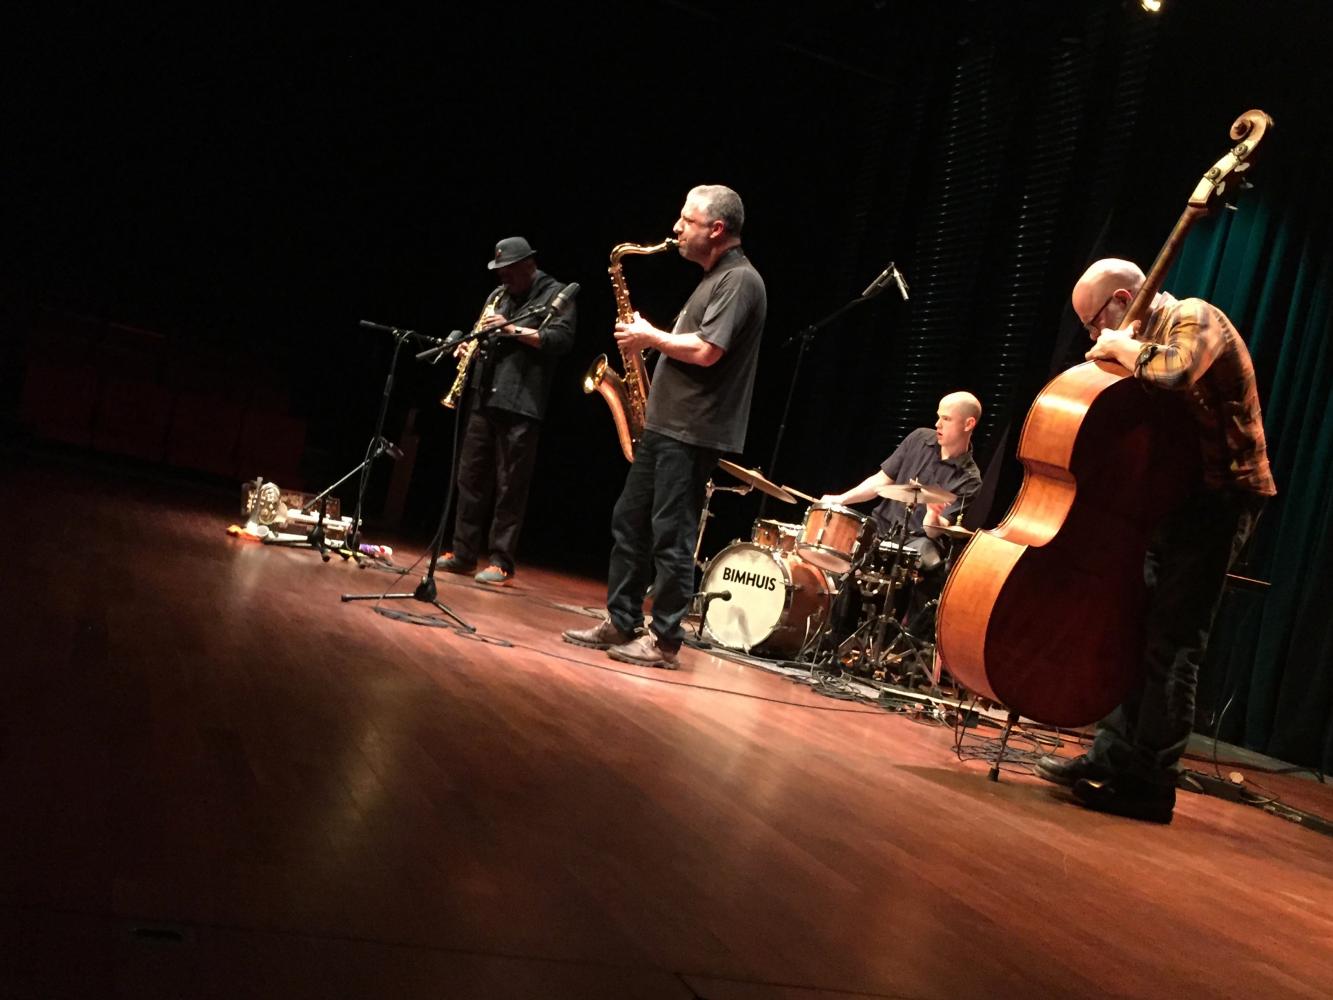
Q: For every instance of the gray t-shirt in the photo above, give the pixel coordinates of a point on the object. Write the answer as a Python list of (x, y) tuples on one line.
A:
[(710, 407)]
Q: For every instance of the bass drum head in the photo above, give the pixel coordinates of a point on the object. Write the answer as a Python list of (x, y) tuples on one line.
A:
[(760, 586), (777, 599)]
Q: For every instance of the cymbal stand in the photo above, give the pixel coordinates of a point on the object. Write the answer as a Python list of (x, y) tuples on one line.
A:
[(881, 651), (706, 514)]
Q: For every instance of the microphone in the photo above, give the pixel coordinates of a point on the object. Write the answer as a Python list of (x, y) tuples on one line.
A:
[(710, 596), (900, 281), (391, 449), (560, 303), (439, 347), (880, 283)]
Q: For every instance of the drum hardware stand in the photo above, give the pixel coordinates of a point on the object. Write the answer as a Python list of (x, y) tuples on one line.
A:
[(865, 545), (705, 515)]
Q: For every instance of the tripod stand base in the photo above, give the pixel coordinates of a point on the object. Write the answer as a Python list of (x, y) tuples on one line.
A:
[(427, 594)]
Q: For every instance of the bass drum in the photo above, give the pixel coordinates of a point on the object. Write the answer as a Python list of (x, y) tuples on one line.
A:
[(777, 599)]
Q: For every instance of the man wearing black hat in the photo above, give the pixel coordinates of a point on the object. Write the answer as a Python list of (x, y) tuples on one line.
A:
[(698, 409), (508, 387)]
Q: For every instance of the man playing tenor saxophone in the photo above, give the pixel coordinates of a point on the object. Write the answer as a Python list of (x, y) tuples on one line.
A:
[(698, 409), (509, 390)]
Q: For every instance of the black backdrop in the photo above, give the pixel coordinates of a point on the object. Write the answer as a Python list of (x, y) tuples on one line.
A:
[(264, 183)]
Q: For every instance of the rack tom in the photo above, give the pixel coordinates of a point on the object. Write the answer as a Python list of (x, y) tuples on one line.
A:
[(777, 535), (830, 535)]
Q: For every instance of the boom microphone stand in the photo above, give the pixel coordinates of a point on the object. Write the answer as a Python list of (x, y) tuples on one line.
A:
[(427, 591), (889, 274)]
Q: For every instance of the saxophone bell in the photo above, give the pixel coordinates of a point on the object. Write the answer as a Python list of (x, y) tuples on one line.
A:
[(592, 378)]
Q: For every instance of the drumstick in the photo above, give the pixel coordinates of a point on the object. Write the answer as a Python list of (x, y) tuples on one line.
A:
[(797, 493)]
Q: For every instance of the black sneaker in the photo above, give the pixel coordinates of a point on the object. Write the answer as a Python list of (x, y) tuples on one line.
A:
[(1070, 770)]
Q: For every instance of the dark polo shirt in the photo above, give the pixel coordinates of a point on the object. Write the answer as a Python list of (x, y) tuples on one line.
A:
[(710, 407), (918, 457)]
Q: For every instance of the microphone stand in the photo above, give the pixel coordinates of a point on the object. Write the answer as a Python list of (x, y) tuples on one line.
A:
[(379, 444), (806, 336), (427, 591)]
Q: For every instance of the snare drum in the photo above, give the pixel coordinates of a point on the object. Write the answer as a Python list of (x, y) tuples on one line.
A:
[(830, 536), (890, 564), (777, 599), (775, 534)]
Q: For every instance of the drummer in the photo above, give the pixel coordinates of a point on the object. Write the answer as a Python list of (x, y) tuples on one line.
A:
[(940, 457)]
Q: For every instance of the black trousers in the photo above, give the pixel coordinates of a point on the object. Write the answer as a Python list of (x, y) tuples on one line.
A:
[(1188, 559), (495, 466), (652, 535)]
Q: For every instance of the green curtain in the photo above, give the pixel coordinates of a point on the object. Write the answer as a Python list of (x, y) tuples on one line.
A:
[(1268, 265)]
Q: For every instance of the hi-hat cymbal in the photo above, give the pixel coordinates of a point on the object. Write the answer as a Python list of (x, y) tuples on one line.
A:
[(954, 530), (915, 492), (756, 479)]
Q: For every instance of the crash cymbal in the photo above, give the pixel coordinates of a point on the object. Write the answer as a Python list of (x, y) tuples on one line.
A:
[(915, 492), (756, 479)]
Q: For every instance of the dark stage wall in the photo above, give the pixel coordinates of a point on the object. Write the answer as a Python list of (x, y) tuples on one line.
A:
[(253, 188)]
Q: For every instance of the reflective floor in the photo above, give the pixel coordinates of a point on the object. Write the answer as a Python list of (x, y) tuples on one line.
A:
[(219, 780)]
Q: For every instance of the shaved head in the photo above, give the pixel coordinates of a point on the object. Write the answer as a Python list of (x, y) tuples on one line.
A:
[(962, 404), (1102, 280), (955, 420)]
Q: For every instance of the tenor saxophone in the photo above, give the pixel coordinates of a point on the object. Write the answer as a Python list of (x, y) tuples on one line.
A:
[(466, 352), (627, 395)]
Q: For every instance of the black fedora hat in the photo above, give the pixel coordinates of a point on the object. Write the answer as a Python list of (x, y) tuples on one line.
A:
[(511, 250)]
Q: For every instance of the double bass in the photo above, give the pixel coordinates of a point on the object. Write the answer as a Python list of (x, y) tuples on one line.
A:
[(1045, 613)]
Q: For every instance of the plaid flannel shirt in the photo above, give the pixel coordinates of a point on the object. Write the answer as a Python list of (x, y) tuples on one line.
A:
[(1190, 346)]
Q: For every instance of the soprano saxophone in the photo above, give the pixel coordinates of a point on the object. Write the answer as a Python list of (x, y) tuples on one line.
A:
[(627, 395), (468, 350)]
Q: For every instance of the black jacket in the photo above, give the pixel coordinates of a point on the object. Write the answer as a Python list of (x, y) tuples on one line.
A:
[(516, 377)]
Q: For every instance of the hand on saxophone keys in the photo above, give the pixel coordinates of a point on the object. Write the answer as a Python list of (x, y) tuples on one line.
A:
[(637, 335)]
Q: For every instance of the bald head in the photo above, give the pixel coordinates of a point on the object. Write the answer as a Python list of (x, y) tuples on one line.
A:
[(1101, 282), (964, 404), (954, 422)]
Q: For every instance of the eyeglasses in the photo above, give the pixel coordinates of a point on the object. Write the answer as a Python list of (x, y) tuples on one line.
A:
[(701, 223), (1091, 325)]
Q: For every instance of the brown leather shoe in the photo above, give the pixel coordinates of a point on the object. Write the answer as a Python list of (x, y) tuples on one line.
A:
[(645, 652), (603, 635)]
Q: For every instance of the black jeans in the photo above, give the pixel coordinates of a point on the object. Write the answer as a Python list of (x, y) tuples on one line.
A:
[(652, 535), (495, 467), (1188, 559)]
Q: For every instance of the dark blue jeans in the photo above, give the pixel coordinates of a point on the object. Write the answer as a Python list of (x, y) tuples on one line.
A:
[(653, 532), (1188, 559)]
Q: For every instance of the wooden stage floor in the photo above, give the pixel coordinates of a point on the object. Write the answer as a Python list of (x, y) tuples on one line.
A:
[(221, 781)]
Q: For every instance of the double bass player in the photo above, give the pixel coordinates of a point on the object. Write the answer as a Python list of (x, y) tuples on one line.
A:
[(1188, 347)]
